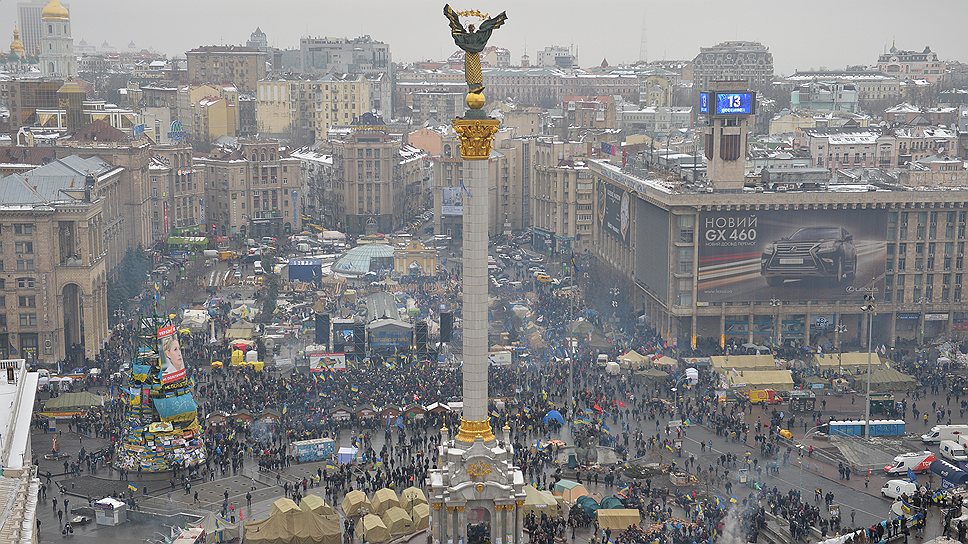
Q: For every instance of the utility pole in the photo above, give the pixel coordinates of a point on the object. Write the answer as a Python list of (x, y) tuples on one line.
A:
[(869, 309)]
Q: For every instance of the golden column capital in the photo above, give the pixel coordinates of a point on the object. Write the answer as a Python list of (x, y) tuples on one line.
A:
[(476, 137), (470, 431)]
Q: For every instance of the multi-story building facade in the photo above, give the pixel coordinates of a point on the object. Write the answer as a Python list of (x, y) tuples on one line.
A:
[(907, 114), (562, 197), (275, 106), (589, 111), (836, 148), (177, 194), (56, 43), (433, 105), (913, 65), (872, 86), (55, 243), (655, 119), (750, 63), (252, 190), (133, 230), (679, 270), (823, 96), (242, 67), (919, 142), (27, 95), (556, 56), (317, 172), (31, 25), (379, 182), (360, 55)]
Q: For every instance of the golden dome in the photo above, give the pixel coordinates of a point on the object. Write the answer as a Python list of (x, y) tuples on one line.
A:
[(54, 10), (17, 46)]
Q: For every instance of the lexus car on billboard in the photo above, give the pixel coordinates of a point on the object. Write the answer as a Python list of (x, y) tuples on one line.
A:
[(790, 254), (811, 252)]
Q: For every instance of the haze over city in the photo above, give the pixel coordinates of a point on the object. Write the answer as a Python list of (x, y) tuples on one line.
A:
[(532, 272), (830, 33)]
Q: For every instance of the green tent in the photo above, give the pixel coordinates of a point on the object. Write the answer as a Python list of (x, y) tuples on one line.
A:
[(69, 401)]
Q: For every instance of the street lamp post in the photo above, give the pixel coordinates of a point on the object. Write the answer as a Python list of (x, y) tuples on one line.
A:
[(776, 303), (840, 329), (870, 310)]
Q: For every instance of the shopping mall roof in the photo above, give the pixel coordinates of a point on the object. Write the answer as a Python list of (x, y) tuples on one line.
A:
[(360, 259)]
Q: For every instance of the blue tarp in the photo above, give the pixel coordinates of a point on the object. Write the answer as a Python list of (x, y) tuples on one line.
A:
[(172, 407), (554, 415)]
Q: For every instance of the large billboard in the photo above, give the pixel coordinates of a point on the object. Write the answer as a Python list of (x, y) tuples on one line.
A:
[(173, 364), (613, 210), (453, 201), (790, 255)]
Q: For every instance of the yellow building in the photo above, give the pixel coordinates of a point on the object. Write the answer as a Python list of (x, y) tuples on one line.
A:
[(415, 259), (274, 106), (337, 99), (214, 111)]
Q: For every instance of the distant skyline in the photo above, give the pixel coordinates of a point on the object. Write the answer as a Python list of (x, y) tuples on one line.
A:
[(823, 33)]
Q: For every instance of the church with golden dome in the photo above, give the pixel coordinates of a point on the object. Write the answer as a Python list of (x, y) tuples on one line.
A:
[(56, 43)]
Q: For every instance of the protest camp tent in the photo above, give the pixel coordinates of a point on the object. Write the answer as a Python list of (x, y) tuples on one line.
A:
[(779, 380), (68, 401), (411, 497), (539, 502), (288, 524), (850, 361), (421, 516), (353, 502), (219, 528), (743, 362), (398, 522), (383, 500), (618, 519), (569, 490), (885, 379), (316, 505), (373, 527)]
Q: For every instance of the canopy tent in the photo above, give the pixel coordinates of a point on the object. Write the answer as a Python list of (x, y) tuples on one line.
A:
[(588, 505), (618, 519), (68, 401), (353, 502), (850, 361), (287, 524), (665, 361), (554, 415), (743, 362), (316, 505), (374, 529), (383, 500), (885, 379), (633, 358), (398, 522), (411, 497), (219, 528), (195, 319), (612, 503), (651, 374), (346, 454), (539, 502), (780, 380), (421, 516), (569, 490)]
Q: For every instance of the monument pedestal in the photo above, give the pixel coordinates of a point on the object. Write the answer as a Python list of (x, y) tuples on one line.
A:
[(477, 486)]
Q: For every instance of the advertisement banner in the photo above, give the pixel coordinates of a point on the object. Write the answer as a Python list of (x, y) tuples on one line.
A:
[(613, 210), (320, 361), (453, 201), (791, 255), (173, 364)]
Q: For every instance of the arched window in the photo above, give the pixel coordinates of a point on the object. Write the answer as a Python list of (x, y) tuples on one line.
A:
[(50, 29), (51, 66)]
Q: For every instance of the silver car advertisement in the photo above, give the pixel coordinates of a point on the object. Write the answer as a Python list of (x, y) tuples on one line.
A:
[(790, 254)]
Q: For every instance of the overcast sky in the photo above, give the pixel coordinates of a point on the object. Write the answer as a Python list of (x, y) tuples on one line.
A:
[(801, 34)]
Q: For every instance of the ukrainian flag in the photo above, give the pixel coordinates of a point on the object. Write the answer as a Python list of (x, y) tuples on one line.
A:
[(132, 487)]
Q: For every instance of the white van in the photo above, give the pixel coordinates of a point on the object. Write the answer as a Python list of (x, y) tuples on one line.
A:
[(257, 268), (918, 461), (893, 489), (943, 432), (953, 451)]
